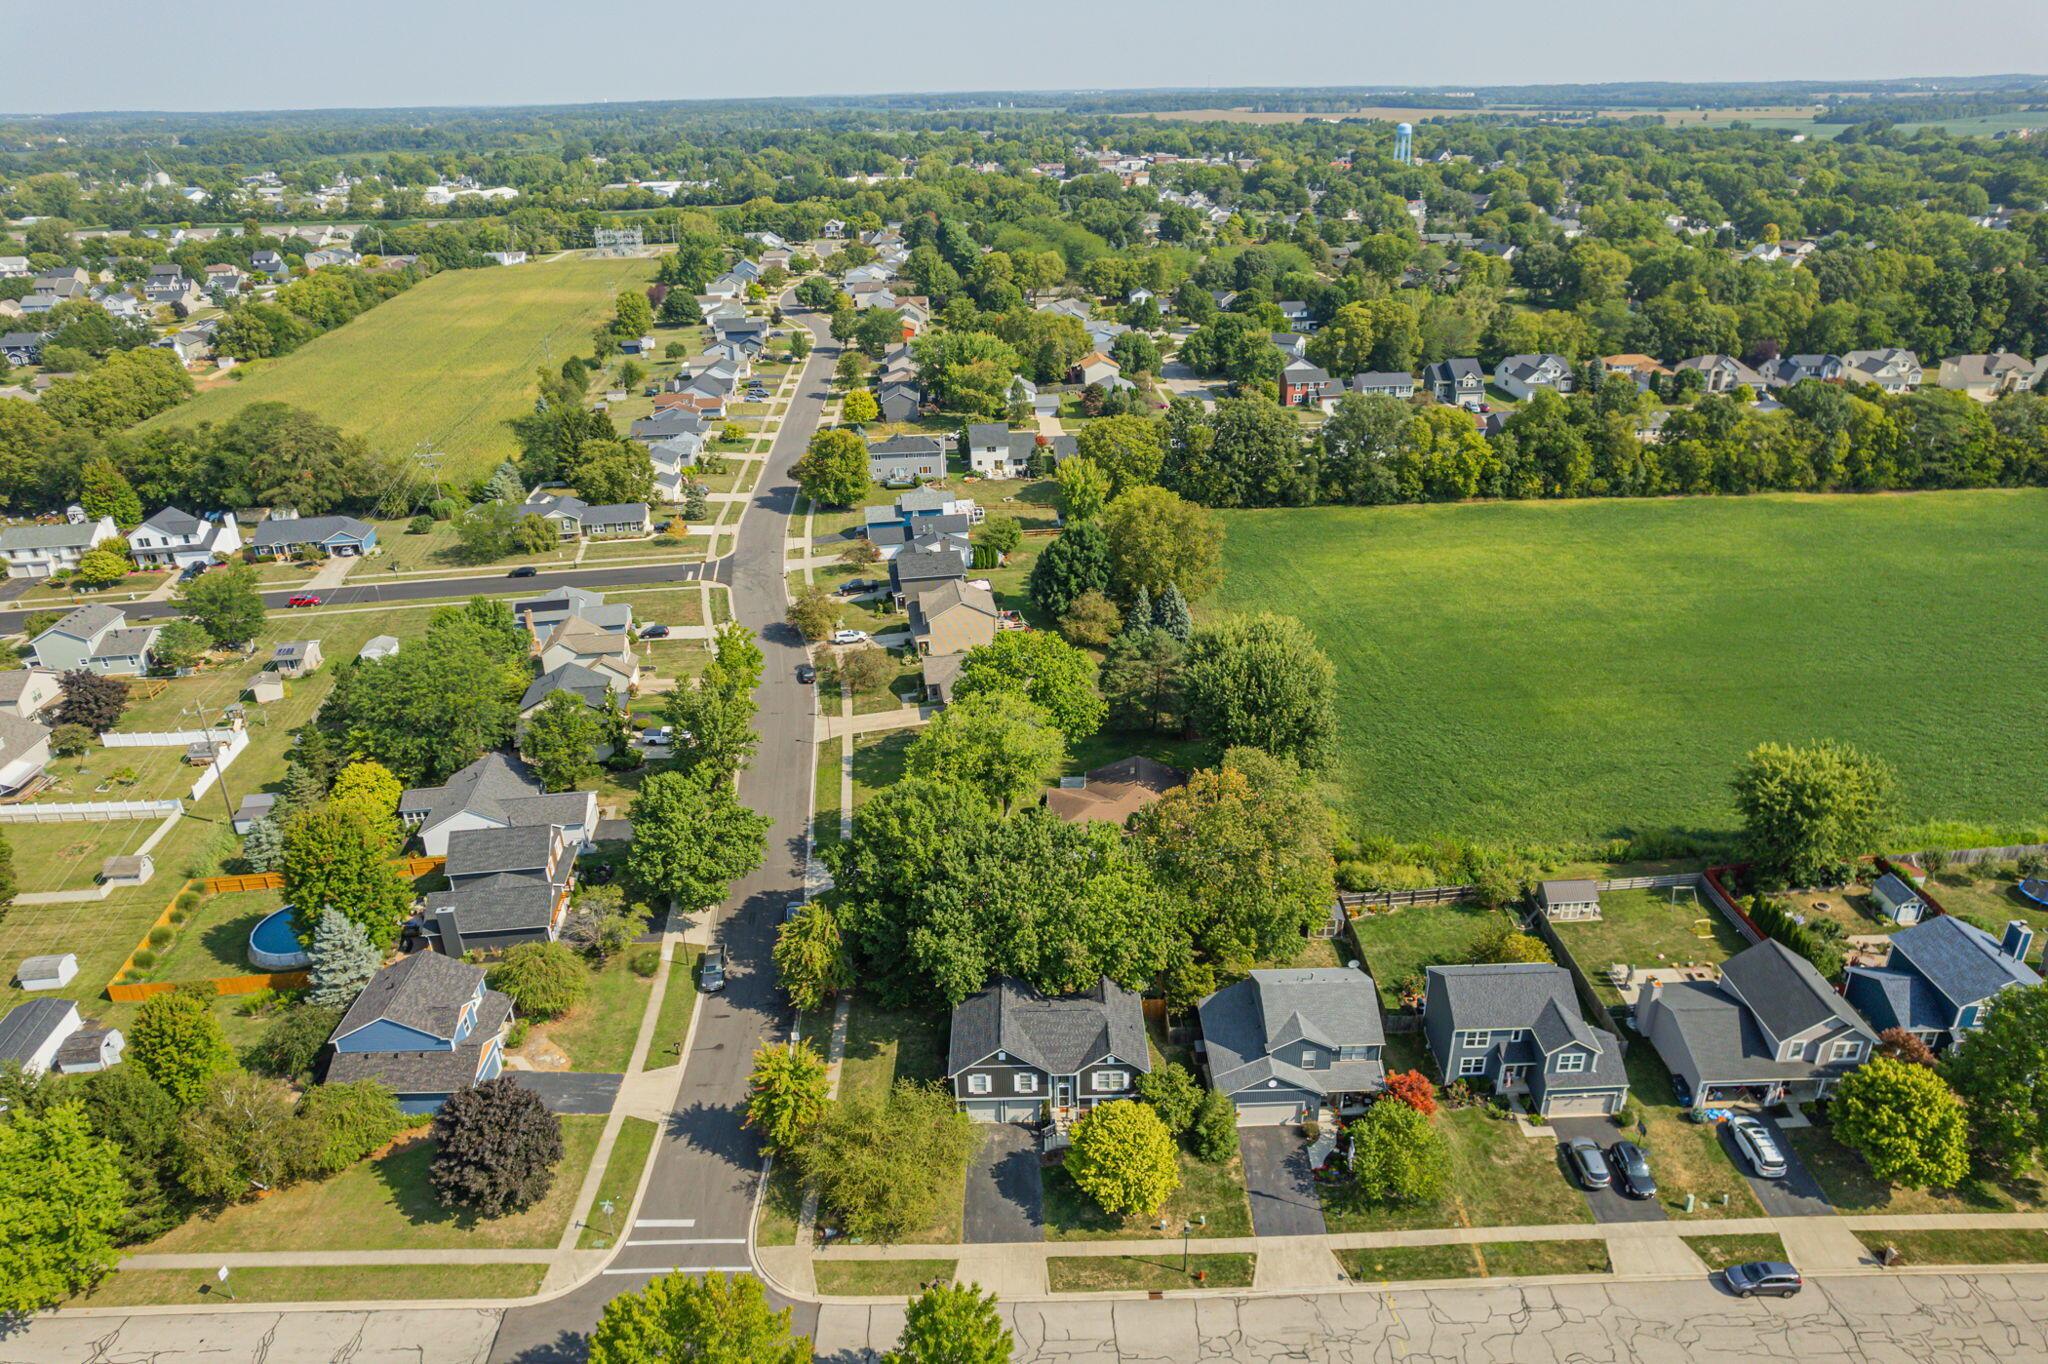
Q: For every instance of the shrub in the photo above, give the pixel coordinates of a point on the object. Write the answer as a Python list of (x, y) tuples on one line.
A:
[(349, 1121), (442, 508), (188, 901), (1174, 1096), (543, 979), (644, 962), (1215, 1132), (1398, 1155), (2031, 864), (420, 524), (1414, 1089), (1935, 861), (177, 916), (68, 741), (290, 1046), (160, 936), (143, 959)]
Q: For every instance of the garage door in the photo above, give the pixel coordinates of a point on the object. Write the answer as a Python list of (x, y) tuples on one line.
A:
[(1578, 1105), (1001, 1110), (1266, 1115)]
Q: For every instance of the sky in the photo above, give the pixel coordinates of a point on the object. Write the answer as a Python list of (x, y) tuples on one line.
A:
[(258, 54)]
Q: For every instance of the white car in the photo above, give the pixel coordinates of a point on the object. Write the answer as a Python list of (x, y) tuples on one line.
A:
[(1755, 1142), (849, 636)]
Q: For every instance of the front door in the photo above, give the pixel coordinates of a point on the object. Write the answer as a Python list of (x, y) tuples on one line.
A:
[(1063, 1093)]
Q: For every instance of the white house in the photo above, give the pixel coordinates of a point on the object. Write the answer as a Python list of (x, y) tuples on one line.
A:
[(178, 539), (37, 551), (1521, 376)]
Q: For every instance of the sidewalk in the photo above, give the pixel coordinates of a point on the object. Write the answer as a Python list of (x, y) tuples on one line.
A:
[(843, 726)]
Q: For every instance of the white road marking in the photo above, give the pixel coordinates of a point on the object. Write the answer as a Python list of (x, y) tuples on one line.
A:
[(665, 1222)]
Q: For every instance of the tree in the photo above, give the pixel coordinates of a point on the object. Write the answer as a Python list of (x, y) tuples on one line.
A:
[(336, 858), (368, 787), (1042, 668), (347, 1121), (997, 741), (291, 1044), (487, 531), (879, 1160), (1173, 1094), (814, 612), (1502, 942), (811, 959), (705, 1319), (1261, 681), (263, 845), (542, 979), (634, 314), (91, 700), (717, 713), (859, 408), (1084, 488), (1076, 562), (178, 1041), (62, 1198), (1398, 1155), (139, 1116), (531, 534), (1122, 1156), (104, 491), (70, 740), (786, 1095), (1901, 1045), (1156, 540), (103, 566), (834, 469), (1141, 681), (343, 960), (226, 602), (1172, 614), (1413, 1088), (953, 1324), (692, 838), (2001, 1070), (1215, 1133), (179, 645), (560, 741), (1905, 1121), (1001, 534), (1092, 621), (1807, 811), (436, 707), (242, 1139), (1127, 448), (866, 668), (498, 1147)]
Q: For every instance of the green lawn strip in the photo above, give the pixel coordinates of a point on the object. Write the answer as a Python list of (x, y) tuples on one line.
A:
[(598, 1034), (1688, 1157), (313, 1283), (1499, 1178), (678, 997), (1484, 1260), (881, 1278), (884, 1046), (620, 1181), (1147, 1273), (1647, 928), (825, 793), (1398, 944), (387, 1204), (1976, 1246), (1849, 1185), (782, 1202), (1719, 1252), (1212, 1192), (878, 761)]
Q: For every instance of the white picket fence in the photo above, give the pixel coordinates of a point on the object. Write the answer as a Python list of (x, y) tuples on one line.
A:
[(167, 738), (76, 812)]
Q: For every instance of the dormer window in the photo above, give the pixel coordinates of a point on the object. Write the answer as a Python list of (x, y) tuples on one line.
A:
[(1571, 1062), (1845, 1051)]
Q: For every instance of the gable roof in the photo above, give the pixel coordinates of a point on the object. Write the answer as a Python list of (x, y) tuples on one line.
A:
[(1784, 991), (1501, 995), (483, 852), (52, 535), (28, 1026), (483, 787), (87, 622), (1056, 1035), (1959, 959), (172, 521), (1331, 1006), (425, 992), (589, 684), (303, 530)]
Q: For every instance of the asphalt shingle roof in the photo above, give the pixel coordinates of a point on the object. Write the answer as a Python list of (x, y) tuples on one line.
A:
[(1505, 995), (1784, 991), (1056, 1035), (481, 852), (1959, 959), (1333, 1007), (427, 1072), (424, 992), (27, 1026)]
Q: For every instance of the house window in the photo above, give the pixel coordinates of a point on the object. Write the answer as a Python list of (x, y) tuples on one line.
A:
[(1478, 1037), (1845, 1051), (1354, 1053), (978, 1084), (1027, 1082), (1571, 1062), (1310, 1058), (1792, 1051), (1109, 1081), (1472, 1065)]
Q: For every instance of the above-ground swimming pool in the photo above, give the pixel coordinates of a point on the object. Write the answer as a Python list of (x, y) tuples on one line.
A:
[(274, 943)]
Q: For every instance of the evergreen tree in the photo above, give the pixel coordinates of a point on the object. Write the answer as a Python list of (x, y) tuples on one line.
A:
[(263, 845), (1172, 615), (1141, 617), (344, 959), (505, 484)]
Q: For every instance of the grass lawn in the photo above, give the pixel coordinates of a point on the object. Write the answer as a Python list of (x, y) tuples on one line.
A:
[(1848, 1183), (1979, 1246), (214, 941), (387, 1204), (313, 1283), (825, 793), (782, 1202), (598, 1033), (67, 857), (105, 774), (1687, 1156), (1214, 1192), (1719, 1252), (678, 997), (1397, 945), (1988, 902), (878, 761), (448, 362), (883, 1047), (881, 1278), (1644, 928), (1147, 1273), (1499, 1178), (1486, 1259), (620, 1182), (1577, 670)]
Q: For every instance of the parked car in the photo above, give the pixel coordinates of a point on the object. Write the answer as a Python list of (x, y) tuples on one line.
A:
[(657, 734), (1772, 1278), (303, 599), (849, 636), (1632, 1170), (1589, 1163), (654, 632), (853, 587), (1681, 1091), (1756, 1143), (806, 674), (523, 571), (791, 910), (192, 571), (711, 974)]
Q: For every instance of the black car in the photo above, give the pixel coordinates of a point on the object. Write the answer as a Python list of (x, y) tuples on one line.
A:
[(193, 570), (1632, 1170), (654, 632), (806, 674), (1681, 1091), (1772, 1278), (523, 571), (1589, 1163)]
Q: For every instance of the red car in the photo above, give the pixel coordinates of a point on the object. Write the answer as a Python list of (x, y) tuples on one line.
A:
[(304, 599)]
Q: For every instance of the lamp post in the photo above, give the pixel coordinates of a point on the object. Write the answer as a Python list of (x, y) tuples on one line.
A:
[(605, 1206)]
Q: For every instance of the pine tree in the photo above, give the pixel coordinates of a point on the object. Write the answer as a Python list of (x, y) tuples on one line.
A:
[(1172, 615), (263, 845), (343, 960), (505, 485), (1141, 616)]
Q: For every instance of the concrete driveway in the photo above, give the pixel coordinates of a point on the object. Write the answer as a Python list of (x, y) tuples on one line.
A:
[(1609, 1204), (1005, 1195), (1282, 1187), (569, 1091), (1796, 1193)]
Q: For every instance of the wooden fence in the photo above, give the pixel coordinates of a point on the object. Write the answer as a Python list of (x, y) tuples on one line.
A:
[(1663, 882), (1353, 902), (1589, 999), (132, 991), (235, 885)]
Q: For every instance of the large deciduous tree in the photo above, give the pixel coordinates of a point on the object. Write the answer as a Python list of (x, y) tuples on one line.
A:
[(1808, 811), (2001, 1070), (834, 469), (786, 1095), (811, 956), (1906, 1123), (1044, 669), (179, 1042), (953, 1324), (1399, 1155), (337, 858), (1123, 1157), (1157, 540), (62, 1198), (880, 1161), (1076, 562), (692, 838), (999, 742), (560, 741), (497, 1148), (703, 1319), (1261, 681), (226, 603)]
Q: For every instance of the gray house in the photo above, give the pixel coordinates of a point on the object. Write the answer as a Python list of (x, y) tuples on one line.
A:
[(505, 886), (1517, 1027), (1284, 1045), (1014, 1051), (906, 459), (424, 1027), (1461, 382), (1940, 977), (1770, 1030), (97, 639)]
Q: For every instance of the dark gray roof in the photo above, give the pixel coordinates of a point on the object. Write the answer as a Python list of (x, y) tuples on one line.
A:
[(484, 786), (588, 683), (1782, 988), (28, 1026), (1331, 1006), (1569, 892), (1056, 1035), (1959, 959), (427, 1072), (1382, 378), (988, 433), (424, 992), (132, 642), (480, 852), (502, 902), (82, 1048), (615, 514), (922, 565), (303, 530), (1505, 995), (88, 621), (51, 535), (1894, 890), (172, 521), (1450, 371), (1896, 999), (906, 447), (1726, 1045)]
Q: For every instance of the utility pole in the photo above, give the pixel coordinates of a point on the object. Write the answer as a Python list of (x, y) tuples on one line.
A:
[(220, 777)]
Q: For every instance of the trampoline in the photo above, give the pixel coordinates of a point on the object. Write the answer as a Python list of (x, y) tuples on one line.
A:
[(2035, 888)]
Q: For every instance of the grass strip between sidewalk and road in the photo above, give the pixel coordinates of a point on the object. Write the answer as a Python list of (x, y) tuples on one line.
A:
[(1962, 1246), (678, 997), (1719, 1252), (881, 1278), (313, 1283), (621, 1179), (1147, 1273), (1481, 1260)]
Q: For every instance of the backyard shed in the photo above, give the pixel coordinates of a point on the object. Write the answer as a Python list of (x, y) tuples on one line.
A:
[(1897, 900), (1568, 900), (52, 972)]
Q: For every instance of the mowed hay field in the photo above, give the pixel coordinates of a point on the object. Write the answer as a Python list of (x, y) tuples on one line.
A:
[(447, 362), (1553, 671)]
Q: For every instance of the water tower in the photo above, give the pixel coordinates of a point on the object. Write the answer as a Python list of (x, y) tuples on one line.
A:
[(1404, 143)]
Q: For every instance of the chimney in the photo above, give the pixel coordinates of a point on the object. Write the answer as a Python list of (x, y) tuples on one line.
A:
[(451, 936), (2019, 936)]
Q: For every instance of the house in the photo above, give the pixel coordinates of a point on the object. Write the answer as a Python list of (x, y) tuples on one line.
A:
[(378, 647), (1302, 384), (52, 972), (38, 550), (295, 657), (996, 451), (671, 460), (270, 263), (15, 267), (26, 692), (256, 807), (1788, 370), (1940, 977), (1516, 1026), (1769, 1031), (24, 753), (592, 686), (330, 255), (225, 281), (1722, 373), (1983, 377), (923, 564), (1096, 368), (575, 640), (494, 792), (282, 534), (177, 539), (542, 614), (1522, 376), (572, 516), (922, 505), (1283, 1046), (1641, 368), (950, 532), (21, 348), (1384, 383), (1015, 1052), (505, 886), (424, 1027), (899, 401), (952, 617), (45, 1035), (1897, 900), (168, 287), (1291, 344), (1461, 382), (669, 420), (1297, 314), (1568, 900), (1894, 370), (1112, 793), (97, 639)]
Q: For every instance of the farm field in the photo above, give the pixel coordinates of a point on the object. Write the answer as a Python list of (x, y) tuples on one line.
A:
[(1582, 670), (447, 362)]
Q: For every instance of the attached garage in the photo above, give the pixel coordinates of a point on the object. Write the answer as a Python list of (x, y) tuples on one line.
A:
[(1588, 1104), (1267, 1115), (1002, 1110), (1274, 1106)]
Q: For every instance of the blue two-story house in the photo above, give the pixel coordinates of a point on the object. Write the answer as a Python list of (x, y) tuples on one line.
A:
[(424, 1027), (1516, 1026), (1939, 977)]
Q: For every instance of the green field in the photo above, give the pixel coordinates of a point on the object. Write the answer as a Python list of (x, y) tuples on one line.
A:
[(1581, 670), (447, 362)]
